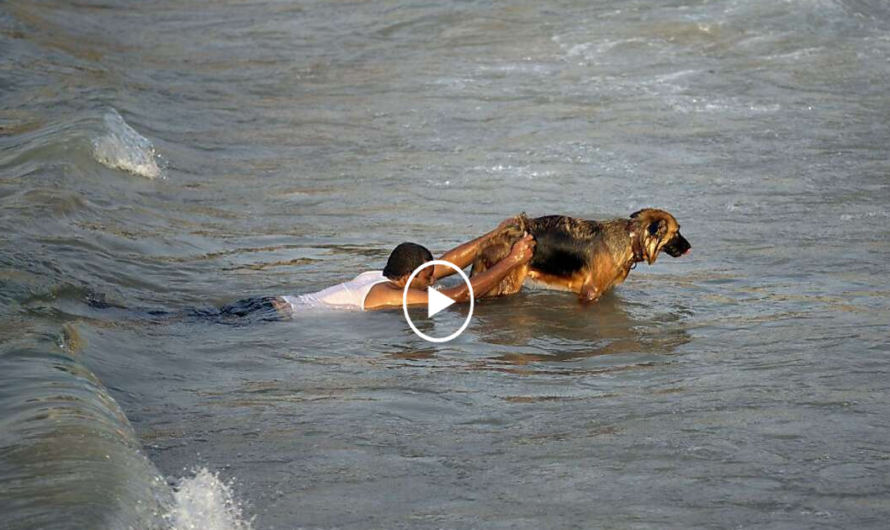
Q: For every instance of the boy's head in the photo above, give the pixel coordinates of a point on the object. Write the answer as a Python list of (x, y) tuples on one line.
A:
[(402, 262)]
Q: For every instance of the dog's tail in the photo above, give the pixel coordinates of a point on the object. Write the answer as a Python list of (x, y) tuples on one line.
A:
[(499, 245)]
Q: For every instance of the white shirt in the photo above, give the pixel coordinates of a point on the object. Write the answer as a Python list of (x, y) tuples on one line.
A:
[(347, 295)]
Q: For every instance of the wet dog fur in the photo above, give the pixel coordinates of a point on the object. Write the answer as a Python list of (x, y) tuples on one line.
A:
[(583, 256)]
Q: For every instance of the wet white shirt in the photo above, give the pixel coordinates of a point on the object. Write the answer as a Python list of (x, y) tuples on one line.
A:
[(347, 295)]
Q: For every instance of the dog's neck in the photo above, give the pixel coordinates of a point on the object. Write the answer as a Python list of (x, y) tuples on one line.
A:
[(636, 244)]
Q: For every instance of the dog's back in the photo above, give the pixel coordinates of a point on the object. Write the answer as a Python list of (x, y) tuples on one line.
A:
[(563, 248), (563, 244)]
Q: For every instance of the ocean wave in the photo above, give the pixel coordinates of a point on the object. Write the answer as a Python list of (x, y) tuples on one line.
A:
[(121, 147), (68, 455), (101, 137)]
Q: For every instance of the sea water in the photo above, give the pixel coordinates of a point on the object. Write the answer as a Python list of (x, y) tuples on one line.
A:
[(167, 155)]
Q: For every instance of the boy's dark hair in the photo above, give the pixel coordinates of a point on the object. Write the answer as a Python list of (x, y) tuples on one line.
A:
[(404, 259)]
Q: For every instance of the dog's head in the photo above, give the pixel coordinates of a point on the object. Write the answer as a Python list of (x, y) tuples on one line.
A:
[(659, 230)]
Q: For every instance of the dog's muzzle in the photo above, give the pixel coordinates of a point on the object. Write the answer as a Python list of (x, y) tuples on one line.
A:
[(677, 246)]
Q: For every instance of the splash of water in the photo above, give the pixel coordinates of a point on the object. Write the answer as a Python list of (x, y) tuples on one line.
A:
[(124, 148), (205, 502)]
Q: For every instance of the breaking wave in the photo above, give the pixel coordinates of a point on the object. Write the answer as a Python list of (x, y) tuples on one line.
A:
[(76, 142), (69, 457), (121, 147), (206, 502)]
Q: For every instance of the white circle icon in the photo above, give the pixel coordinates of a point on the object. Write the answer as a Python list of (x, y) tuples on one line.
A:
[(437, 301)]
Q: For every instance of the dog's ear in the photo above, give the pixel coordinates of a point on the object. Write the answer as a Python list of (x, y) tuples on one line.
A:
[(654, 239), (657, 228)]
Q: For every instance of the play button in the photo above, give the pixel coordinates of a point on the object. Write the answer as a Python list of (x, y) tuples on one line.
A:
[(437, 301)]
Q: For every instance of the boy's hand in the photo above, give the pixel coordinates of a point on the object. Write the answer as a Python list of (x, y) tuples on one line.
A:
[(523, 250)]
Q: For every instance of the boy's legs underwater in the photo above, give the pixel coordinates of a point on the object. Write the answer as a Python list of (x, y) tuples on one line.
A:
[(262, 308)]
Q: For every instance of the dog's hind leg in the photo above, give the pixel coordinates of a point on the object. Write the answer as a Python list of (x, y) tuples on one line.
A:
[(498, 248), (491, 255), (486, 259), (512, 283)]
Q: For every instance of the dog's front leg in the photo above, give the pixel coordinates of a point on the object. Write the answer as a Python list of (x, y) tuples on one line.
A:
[(598, 281), (590, 292)]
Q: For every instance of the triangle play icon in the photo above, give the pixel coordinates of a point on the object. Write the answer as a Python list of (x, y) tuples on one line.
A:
[(437, 302)]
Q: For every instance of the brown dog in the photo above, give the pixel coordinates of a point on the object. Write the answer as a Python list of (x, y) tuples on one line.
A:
[(585, 257)]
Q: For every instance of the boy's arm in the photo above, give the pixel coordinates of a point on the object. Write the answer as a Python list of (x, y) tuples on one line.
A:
[(381, 296), (520, 254)]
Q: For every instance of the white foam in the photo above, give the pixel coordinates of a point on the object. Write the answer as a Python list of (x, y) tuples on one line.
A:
[(699, 104), (121, 147), (207, 503), (865, 215), (595, 51), (523, 172)]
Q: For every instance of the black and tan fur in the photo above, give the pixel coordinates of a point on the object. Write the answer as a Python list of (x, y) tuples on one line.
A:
[(582, 256)]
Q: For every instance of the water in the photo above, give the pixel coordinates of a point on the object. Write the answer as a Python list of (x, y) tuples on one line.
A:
[(175, 155)]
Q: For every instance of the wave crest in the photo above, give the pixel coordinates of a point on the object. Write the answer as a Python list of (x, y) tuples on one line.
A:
[(124, 148)]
